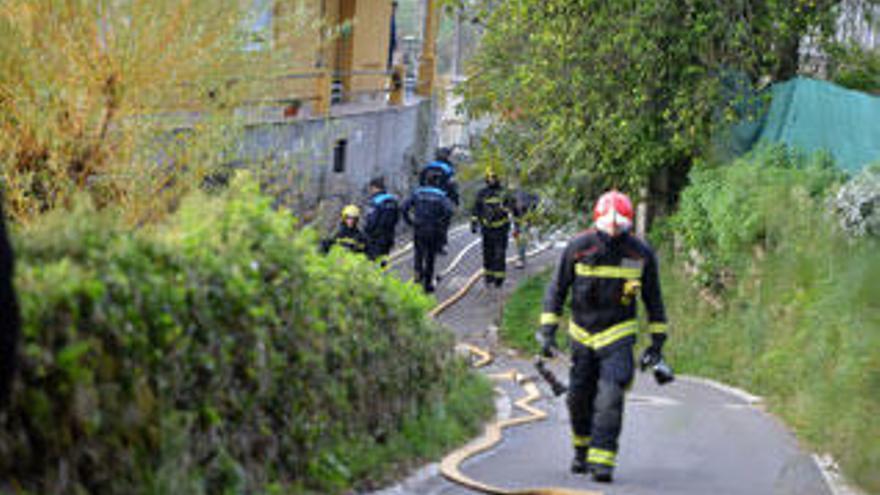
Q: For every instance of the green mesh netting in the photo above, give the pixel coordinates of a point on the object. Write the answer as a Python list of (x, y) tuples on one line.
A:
[(813, 115)]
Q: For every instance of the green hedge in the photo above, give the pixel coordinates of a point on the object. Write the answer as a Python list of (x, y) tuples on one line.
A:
[(798, 317), (215, 353)]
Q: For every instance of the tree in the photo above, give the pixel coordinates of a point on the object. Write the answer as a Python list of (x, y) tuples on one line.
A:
[(596, 94), (130, 101)]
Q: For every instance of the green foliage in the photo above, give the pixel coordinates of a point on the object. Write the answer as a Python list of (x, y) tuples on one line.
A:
[(131, 102), (592, 94), (855, 67), (365, 461), (797, 321), (215, 352), (754, 202)]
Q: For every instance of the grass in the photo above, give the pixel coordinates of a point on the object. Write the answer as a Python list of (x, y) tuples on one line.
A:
[(801, 329), (522, 312)]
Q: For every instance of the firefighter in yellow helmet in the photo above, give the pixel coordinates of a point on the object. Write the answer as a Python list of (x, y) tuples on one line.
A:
[(491, 216), (348, 235)]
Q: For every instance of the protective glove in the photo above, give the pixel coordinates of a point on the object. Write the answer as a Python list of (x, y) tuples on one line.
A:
[(651, 356), (654, 353), (547, 343), (475, 227)]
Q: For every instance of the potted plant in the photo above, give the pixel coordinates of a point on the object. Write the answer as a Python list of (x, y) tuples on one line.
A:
[(291, 107)]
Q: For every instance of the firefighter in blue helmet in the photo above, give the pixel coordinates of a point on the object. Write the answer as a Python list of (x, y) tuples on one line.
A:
[(443, 166), (381, 221), (491, 216), (348, 235), (429, 211), (605, 268)]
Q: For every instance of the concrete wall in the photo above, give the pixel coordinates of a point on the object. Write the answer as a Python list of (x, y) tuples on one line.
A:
[(298, 155)]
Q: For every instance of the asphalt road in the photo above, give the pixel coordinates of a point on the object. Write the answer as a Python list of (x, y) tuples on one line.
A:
[(688, 437)]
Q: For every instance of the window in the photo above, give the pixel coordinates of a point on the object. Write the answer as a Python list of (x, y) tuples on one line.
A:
[(339, 156)]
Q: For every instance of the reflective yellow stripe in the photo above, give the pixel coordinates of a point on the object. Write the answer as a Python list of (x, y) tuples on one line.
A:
[(599, 456), (549, 319), (583, 270), (657, 327), (495, 274), (579, 441), (495, 224), (605, 337)]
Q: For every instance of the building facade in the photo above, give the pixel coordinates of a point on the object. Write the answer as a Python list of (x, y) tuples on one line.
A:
[(347, 127)]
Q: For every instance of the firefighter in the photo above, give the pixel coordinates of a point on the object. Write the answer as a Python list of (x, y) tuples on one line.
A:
[(428, 210), (491, 216), (443, 167), (442, 163), (381, 221), (348, 235), (605, 268)]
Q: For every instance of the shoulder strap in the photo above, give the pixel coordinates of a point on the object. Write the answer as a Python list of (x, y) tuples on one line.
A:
[(383, 197), (430, 190), (442, 166)]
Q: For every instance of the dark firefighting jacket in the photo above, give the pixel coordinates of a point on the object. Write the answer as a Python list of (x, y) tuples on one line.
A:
[(428, 210), (605, 276), (492, 208), (351, 238), (382, 217)]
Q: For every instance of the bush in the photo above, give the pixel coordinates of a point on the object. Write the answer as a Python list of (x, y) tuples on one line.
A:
[(799, 317), (728, 210), (214, 353), (857, 204)]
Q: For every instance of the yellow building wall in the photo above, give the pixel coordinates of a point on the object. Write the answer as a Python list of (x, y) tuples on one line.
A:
[(298, 33), (372, 31), (363, 48)]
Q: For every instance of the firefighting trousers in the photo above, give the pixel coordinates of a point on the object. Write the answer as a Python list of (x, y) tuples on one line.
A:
[(426, 243), (378, 249), (494, 253), (595, 399)]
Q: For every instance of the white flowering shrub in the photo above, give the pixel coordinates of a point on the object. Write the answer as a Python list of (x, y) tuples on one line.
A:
[(857, 204)]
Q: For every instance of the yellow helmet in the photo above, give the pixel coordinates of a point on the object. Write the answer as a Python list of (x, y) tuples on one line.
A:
[(351, 211)]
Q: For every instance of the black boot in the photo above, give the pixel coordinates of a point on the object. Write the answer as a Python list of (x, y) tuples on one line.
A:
[(602, 473), (579, 463)]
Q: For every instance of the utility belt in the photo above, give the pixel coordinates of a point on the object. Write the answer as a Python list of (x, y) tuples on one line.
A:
[(606, 337)]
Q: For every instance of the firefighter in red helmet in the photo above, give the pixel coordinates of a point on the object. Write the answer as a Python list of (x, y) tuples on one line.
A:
[(604, 268)]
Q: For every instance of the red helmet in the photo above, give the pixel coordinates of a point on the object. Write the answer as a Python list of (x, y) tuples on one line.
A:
[(613, 213)]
